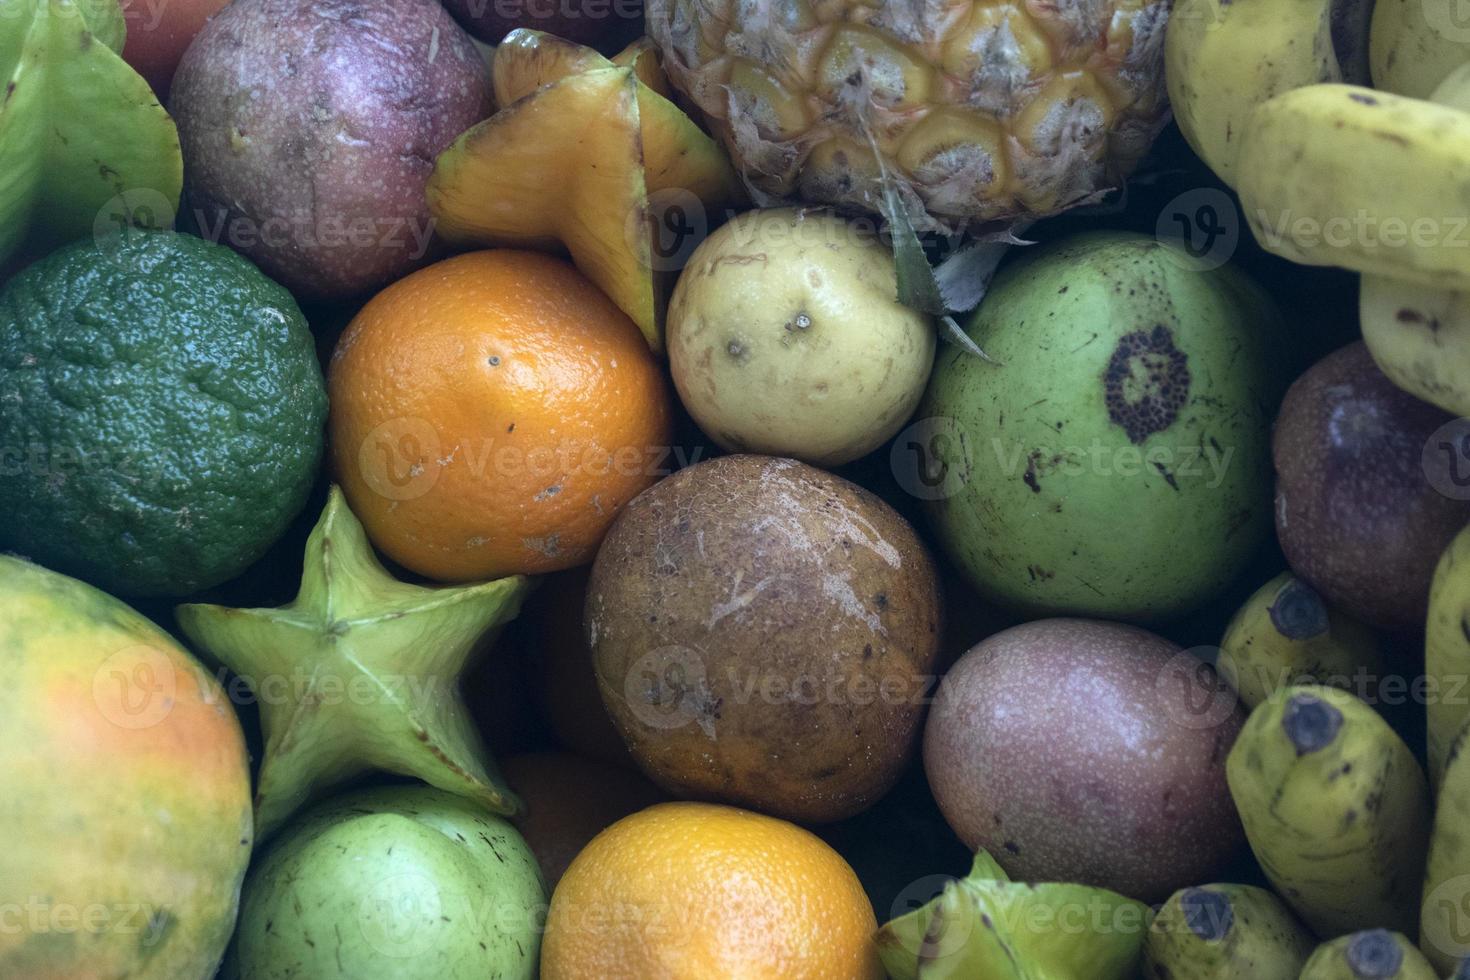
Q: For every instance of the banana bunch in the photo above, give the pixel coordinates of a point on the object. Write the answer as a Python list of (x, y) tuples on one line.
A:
[(1273, 95), (1225, 57), (1375, 954), (1225, 932), (1420, 337), (1336, 809), (1286, 634)]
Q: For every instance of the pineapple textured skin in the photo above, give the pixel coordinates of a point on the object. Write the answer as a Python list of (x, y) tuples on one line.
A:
[(973, 111)]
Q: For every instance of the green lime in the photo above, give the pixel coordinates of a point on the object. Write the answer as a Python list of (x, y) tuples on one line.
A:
[(161, 412)]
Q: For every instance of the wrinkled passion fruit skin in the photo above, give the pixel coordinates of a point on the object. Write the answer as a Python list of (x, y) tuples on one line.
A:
[(1364, 503), (310, 128), (1115, 461), (1072, 749)]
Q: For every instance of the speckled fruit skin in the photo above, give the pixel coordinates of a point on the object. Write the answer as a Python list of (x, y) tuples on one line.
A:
[(397, 883), (786, 337), (764, 634), (161, 413), (1116, 461), (126, 803), (1091, 752), (1357, 512), (309, 129), (606, 25)]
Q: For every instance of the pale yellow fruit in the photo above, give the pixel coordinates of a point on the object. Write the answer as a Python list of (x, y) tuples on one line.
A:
[(1369, 181), (785, 338), (1416, 43)]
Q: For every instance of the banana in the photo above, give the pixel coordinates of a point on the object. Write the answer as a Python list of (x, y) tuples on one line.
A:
[(1374, 182), (1224, 58), (1335, 808), (1447, 653), (1445, 918), (1376, 954), (1286, 634), (1420, 337), (1414, 44), (1225, 932)]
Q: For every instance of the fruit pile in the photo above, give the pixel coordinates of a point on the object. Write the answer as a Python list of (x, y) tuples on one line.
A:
[(787, 488)]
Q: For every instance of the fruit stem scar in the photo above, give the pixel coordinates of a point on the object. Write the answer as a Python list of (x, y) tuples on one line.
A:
[(1310, 723), (1298, 613), (1207, 914)]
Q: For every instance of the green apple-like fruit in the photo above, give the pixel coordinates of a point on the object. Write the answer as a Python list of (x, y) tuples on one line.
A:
[(407, 883), (1114, 457)]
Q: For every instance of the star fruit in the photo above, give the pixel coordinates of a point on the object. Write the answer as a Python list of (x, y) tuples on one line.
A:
[(360, 673), (989, 926), (85, 147), (588, 156)]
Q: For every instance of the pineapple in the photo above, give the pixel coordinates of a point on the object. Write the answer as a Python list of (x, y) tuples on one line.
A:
[(972, 111)]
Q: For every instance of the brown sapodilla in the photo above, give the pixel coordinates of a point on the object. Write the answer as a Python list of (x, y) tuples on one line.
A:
[(764, 634)]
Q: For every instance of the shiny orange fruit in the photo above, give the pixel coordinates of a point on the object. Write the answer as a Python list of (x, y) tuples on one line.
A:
[(699, 891), (491, 414)]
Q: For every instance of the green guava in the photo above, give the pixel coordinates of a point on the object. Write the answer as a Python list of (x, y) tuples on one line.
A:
[(407, 883), (1114, 460)]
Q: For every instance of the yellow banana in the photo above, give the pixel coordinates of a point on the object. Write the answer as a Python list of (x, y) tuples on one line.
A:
[(1420, 337), (1222, 58), (1416, 43), (1286, 634), (1375, 182), (1376, 954), (1335, 808), (1225, 932), (1447, 652), (1445, 931)]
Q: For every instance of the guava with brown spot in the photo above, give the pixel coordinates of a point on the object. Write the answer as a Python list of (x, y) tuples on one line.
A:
[(765, 634), (1091, 752), (1114, 455)]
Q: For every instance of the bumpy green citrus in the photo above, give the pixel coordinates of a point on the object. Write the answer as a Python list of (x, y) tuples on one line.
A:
[(161, 412)]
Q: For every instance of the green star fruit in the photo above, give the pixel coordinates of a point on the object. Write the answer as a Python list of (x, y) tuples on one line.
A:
[(361, 673), (988, 926), (85, 147)]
